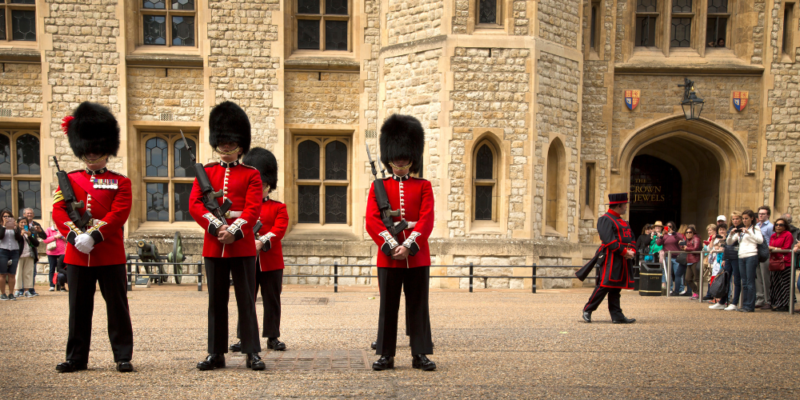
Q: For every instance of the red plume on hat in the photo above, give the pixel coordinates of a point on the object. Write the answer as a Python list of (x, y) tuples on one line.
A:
[(65, 123)]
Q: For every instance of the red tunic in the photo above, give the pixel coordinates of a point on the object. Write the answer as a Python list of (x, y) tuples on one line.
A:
[(414, 198), (616, 271), (274, 220), (109, 201), (242, 185)]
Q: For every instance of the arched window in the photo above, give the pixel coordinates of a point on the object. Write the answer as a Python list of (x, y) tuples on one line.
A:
[(168, 169), (555, 207), (485, 182), (20, 171), (322, 180)]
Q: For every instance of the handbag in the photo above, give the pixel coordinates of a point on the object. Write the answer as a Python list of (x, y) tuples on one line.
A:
[(719, 288), (682, 259), (763, 252), (52, 246), (777, 263)]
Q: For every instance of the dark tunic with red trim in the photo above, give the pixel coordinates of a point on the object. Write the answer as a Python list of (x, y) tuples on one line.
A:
[(617, 237)]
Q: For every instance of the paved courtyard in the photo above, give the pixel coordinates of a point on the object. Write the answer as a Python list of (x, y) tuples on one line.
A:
[(505, 344)]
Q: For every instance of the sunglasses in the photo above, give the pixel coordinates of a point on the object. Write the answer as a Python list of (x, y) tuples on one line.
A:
[(690, 232), (780, 224)]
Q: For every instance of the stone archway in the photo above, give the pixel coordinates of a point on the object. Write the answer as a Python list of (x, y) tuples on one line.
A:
[(711, 160)]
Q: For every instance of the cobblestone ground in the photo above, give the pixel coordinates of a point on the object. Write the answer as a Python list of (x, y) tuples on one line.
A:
[(488, 345)]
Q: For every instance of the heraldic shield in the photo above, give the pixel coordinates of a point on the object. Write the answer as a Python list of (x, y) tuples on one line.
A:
[(740, 100), (631, 99)]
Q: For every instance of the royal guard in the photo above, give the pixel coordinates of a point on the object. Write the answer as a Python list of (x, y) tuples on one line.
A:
[(401, 227), (269, 262), (228, 210), (95, 250), (614, 260)]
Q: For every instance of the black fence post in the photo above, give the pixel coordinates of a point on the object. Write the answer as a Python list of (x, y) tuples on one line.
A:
[(470, 277), (199, 276), (533, 276), (335, 277), (130, 276)]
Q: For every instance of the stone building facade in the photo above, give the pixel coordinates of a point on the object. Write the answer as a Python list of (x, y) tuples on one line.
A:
[(522, 101)]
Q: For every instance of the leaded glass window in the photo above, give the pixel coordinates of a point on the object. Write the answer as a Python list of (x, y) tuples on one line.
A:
[(323, 25), (681, 6), (717, 6), (646, 22), (681, 32), (717, 23), (485, 182), (168, 23), (20, 171), (489, 11), (18, 20), (168, 176), (646, 6), (323, 179)]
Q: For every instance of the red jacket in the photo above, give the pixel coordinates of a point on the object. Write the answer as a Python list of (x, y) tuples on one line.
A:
[(107, 195), (274, 220), (414, 198), (242, 185)]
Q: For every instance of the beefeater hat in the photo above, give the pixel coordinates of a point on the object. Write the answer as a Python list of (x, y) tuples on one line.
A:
[(402, 138), (617, 198), (92, 129), (228, 123), (265, 162)]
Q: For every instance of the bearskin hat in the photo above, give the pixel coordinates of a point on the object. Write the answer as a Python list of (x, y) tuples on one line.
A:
[(402, 138), (264, 161), (228, 123), (92, 129)]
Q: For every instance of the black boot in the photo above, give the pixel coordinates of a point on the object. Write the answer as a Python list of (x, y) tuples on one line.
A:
[(236, 347), (124, 366), (587, 316), (71, 366), (383, 363), (624, 320), (254, 362), (275, 344), (213, 361), (420, 361)]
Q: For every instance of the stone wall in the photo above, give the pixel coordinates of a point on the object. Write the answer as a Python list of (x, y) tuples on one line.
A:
[(520, 15), (558, 105), (83, 65), (760, 7), (241, 35), (21, 90), (321, 98), (152, 91), (491, 90), (484, 265), (410, 20), (559, 21), (460, 16)]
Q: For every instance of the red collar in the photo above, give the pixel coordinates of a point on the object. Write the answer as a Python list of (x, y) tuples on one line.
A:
[(614, 213)]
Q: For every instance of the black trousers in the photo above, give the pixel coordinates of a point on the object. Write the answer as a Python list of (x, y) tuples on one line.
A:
[(83, 283), (613, 301), (414, 282), (218, 271), (271, 284)]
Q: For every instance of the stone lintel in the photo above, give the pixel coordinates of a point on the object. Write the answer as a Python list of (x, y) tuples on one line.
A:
[(164, 60), (322, 64), (17, 55), (687, 69)]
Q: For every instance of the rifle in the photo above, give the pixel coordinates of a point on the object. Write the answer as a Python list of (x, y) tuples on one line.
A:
[(65, 185), (209, 195), (383, 203)]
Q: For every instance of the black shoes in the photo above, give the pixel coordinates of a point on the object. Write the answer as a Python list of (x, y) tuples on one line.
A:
[(420, 361), (213, 361), (236, 347), (254, 362), (587, 316), (124, 366), (275, 344), (383, 363), (781, 309), (624, 320), (374, 346), (71, 366)]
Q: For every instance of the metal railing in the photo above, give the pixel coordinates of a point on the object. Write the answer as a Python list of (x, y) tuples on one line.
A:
[(134, 262), (704, 256)]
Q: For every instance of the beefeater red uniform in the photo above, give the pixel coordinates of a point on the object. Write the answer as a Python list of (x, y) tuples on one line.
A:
[(107, 195), (414, 198), (274, 220), (242, 185)]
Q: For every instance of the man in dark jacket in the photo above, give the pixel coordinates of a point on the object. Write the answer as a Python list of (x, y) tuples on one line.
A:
[(37, 230)]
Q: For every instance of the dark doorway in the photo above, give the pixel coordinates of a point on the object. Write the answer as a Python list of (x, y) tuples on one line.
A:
[(655, 192)]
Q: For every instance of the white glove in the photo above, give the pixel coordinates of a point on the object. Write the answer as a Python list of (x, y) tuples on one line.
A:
[(84, 243)]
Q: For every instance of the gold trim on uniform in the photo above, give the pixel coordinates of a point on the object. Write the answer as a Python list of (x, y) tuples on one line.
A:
[(72, 227), (236, 226), (58, 196)]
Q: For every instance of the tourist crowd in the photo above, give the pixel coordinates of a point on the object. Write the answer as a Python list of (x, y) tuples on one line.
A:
[(745, 259)]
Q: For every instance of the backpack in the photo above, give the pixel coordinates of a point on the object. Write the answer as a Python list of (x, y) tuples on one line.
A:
[(719, 288)]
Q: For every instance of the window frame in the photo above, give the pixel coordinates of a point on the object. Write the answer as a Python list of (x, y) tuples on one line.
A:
[(499, 20), (787, 51), (14, 134), (485, 182), (322, 17), (322, 140), (657, 17), (170, 179), (168, 13), (692, 23), (7, 6), (728, 20)]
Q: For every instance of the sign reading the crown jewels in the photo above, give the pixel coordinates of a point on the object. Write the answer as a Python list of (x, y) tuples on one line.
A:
[(631, 99), (740, 100)]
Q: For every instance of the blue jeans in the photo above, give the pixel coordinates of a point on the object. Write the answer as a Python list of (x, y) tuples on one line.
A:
[(747, 272), (678, 271), (5, 256), (53, 260), (736, 279)]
